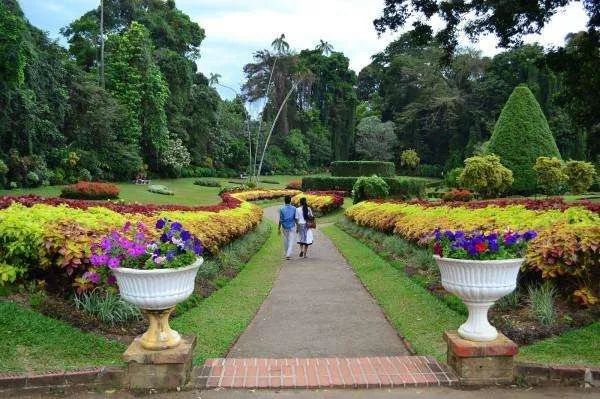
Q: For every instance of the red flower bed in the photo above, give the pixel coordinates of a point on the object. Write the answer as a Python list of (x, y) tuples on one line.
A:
[(294, 185), (227, 202), (90, 191), (458, 194)]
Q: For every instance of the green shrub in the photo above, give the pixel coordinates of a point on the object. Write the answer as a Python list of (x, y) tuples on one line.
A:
[(267, 181), (207, 183), (158, 189), (85, 175), (405, 188), (410, 159), (541, 303), (108, 307), (369, 188), (580, 176), (452, 178), (550, 175), (486, 175), (520, 137), (362, 168), (33, 180)]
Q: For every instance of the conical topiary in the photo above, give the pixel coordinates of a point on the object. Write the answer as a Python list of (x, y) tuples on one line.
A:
[(521, 136)]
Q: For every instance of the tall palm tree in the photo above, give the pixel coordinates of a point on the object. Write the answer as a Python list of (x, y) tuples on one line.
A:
[(324, 47), (214, 78), (280, 45)]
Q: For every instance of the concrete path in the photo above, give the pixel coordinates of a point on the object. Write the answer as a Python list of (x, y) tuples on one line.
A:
[(318, 308)]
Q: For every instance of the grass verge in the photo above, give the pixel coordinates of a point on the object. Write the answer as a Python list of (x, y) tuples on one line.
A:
[(32, 342), (577, 347), (222, 317), (414, 313)]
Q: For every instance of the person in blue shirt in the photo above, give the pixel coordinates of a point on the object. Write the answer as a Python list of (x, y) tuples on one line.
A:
[(287, 225)]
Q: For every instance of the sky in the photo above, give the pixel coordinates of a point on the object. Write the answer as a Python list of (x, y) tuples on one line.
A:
[(235, 29)]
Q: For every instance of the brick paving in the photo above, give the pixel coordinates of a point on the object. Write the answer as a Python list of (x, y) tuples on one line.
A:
[(314, 373)]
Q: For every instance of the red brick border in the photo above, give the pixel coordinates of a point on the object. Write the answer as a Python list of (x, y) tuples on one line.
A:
[(313, 373), (69, 380)]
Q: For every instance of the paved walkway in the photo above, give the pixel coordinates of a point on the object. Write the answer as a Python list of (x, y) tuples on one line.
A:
[(318, 308)]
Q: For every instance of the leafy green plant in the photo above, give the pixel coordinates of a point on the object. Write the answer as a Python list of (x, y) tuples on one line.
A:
[(110, 308), (409, 158), (541, 303), (486, 175), (510, 301), (159, 189), (580, 176), (207, 183), (369, 188), (362, 168), (550, 175), (452, 178)]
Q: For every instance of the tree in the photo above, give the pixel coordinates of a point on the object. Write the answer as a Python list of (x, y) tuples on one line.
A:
[(280, 46), (521, 136), (375, 140), (486, 175), (12, 46), (550, 175), (509, 21), (324, 47)]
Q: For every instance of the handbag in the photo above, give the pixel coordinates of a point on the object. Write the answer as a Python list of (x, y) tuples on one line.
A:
[(311, 222)]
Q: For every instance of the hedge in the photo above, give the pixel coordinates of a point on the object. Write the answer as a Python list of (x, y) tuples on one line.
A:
[(398, 187), (520, 137), (362, 168)]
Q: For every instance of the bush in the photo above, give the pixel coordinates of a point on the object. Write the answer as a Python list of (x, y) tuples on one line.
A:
[(369, 188), (294, 185), (452, 178), (33, 180), (207, 183), (91, 191), (580, 176), (550, 175), (405, 188), (410, 159), (486, 175), (267, 181), (158, 189), (520, 137), (457, 194), (362, 168), (85, 175)]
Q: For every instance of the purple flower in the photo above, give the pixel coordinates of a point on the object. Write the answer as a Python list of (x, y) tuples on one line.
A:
[(170, 256), (92, 276), (160, 224), (185, 235), (106, 244), (493, 245), (449, 235), (111, 280), (164, 237), (127, 226), (437, 234), (529, 235), (113, 263), (511, 239), (198, 248), (98, 260), (176, 226)]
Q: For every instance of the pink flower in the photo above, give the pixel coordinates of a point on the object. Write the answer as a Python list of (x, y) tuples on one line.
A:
[(113, 263), (92, 276)]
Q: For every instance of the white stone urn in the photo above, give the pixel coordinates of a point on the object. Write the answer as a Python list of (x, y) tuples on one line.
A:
[(478, 283), (156, 292)]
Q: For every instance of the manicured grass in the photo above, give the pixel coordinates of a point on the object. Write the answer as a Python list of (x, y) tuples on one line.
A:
[(577, 347), (186, 193), (32, 342), (416, 314), (337, 214), (222, 317)]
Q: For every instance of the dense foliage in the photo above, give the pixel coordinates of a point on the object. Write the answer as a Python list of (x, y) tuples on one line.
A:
[(362, 168), (550, 175), (398, 187), (580, 176), (321, 202), (90, 191), (369, 187), (521, 136)]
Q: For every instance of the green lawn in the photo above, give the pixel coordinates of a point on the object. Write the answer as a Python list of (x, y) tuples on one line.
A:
[(416, 314), (33, 342), (222, 317), (186, 193), (577, 347)]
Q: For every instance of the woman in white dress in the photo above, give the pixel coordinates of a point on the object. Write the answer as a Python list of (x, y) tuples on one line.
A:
[(305, 222)]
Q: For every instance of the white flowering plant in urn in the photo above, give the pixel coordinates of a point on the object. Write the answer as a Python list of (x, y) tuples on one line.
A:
[(480, 268), (154, 274)]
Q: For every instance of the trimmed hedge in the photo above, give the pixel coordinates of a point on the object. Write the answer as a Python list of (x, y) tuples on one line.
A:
[(398, 187), (362, 168), (520, 137)]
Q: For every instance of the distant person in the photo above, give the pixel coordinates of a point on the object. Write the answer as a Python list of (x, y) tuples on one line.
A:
[(287, 224), (306, 224)]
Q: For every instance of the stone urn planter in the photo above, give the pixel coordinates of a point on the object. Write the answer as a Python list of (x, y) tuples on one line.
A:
[(156, 292), (478, 283)]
